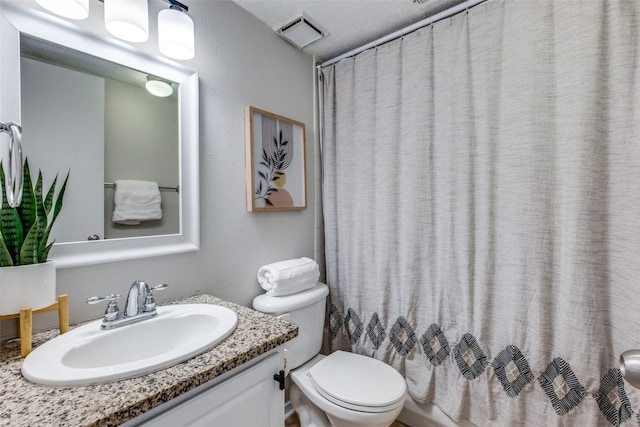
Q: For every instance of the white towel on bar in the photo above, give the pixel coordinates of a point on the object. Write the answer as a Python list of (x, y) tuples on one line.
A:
[(136, 201), (289, 277)]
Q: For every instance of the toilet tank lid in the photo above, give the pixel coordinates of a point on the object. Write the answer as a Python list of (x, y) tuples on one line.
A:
[(284, 304)]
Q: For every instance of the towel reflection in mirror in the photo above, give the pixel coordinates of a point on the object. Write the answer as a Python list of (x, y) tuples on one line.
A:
[(136, 201)]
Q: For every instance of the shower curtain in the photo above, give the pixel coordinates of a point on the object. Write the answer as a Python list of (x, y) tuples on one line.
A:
[(482, 210)]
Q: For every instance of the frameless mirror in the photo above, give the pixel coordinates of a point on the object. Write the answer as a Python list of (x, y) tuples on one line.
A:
[(85, 109)]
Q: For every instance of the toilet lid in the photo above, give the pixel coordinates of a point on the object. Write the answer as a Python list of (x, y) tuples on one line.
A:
[(358, 382)]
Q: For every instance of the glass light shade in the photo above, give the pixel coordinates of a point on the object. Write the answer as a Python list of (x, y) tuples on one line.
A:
[(72, 9), (158, 87), (175, 34), (127, 19)]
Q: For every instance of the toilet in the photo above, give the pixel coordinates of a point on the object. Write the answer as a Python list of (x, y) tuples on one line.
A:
[(342, 389)]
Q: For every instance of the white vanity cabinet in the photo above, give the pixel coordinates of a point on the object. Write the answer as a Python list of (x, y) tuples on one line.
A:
[(247, 396)]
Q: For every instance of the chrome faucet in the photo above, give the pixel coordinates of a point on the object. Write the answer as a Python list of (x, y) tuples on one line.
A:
[(137, 299), (140, 305)]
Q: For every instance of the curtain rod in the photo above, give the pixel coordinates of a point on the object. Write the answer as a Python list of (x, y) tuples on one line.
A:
[(406, 30)]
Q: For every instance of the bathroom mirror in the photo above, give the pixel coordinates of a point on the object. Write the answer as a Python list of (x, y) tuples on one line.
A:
[(37, 46), (120, 131)]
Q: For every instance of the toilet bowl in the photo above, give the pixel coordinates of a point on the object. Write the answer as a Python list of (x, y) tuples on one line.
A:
[(346, 390), (342, 389)]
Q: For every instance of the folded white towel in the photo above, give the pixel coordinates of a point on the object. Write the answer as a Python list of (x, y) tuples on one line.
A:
[(136, 201), (289, 277)]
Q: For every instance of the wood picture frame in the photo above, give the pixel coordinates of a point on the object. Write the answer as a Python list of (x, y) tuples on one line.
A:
[(275, 162)]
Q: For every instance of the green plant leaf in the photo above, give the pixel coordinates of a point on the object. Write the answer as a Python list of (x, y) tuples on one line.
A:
[(41, 216), (58, 206), (10, 224), (45, 253), (42, 242), (11, 229), (48, 200), (24, 230), (29, 249), (5, 256), (27, 208), (42, 247)]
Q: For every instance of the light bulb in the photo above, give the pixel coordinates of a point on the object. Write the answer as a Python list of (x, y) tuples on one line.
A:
[(127, 19), (158, 87), (175, 34)]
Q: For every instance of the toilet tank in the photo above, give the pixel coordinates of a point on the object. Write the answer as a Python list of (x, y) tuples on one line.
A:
[(306, 310)]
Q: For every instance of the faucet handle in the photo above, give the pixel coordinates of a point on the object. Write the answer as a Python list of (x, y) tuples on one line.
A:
[(112, 312), (110, 298), (150, 301)]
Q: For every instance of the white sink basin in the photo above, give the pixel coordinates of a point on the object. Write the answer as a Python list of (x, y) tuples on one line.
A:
[(89, 355)]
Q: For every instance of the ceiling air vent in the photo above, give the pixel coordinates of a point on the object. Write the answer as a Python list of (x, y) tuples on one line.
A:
[(300, 32)]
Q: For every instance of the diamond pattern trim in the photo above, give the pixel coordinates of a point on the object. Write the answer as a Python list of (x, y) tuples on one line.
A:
[(612, 398), (353, 325), (402, 336), (561, 386), (470, 358), (435, 345), (512, 370), (335, 321), (375, 331), (558, 381)]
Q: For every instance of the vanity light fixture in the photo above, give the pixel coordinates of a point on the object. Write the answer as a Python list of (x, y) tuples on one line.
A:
[(129, 20), (72, 9), (175, 32), (159, 87)]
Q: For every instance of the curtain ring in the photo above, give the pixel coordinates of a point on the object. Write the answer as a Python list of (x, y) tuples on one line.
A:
[(14, 177)]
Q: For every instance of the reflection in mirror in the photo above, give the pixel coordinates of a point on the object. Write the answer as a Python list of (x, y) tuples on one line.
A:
[(100, 123), (118, 131)]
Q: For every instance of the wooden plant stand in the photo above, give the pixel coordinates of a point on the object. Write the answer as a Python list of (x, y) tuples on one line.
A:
[(25, 321)]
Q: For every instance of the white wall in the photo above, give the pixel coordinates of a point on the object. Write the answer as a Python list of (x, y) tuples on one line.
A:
[(241, 62)]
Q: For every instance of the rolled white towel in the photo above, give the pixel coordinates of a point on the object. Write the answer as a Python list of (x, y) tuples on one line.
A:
[(289, 277)]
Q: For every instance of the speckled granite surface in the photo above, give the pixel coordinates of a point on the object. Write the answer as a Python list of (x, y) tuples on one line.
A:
[(25, 404)]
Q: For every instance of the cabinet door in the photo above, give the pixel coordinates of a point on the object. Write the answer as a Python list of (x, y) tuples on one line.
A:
[(251, 398)]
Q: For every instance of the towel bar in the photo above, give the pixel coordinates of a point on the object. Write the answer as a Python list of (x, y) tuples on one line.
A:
[(176, 188)]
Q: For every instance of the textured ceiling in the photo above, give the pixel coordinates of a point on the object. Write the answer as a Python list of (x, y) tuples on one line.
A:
[(348, 23)]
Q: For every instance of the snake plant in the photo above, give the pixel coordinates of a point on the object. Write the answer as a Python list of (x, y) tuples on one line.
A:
[(24, 230)]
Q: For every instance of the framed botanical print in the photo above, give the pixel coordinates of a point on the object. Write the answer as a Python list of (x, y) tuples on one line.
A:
[(275, 162)]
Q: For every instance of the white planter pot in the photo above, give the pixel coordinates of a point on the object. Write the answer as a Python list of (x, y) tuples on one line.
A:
[(27, 286)]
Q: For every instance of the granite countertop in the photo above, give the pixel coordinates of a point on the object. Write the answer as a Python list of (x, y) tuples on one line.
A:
[(23, 403)]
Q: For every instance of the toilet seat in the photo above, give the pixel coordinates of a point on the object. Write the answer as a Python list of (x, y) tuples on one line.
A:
[(358, 382)]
